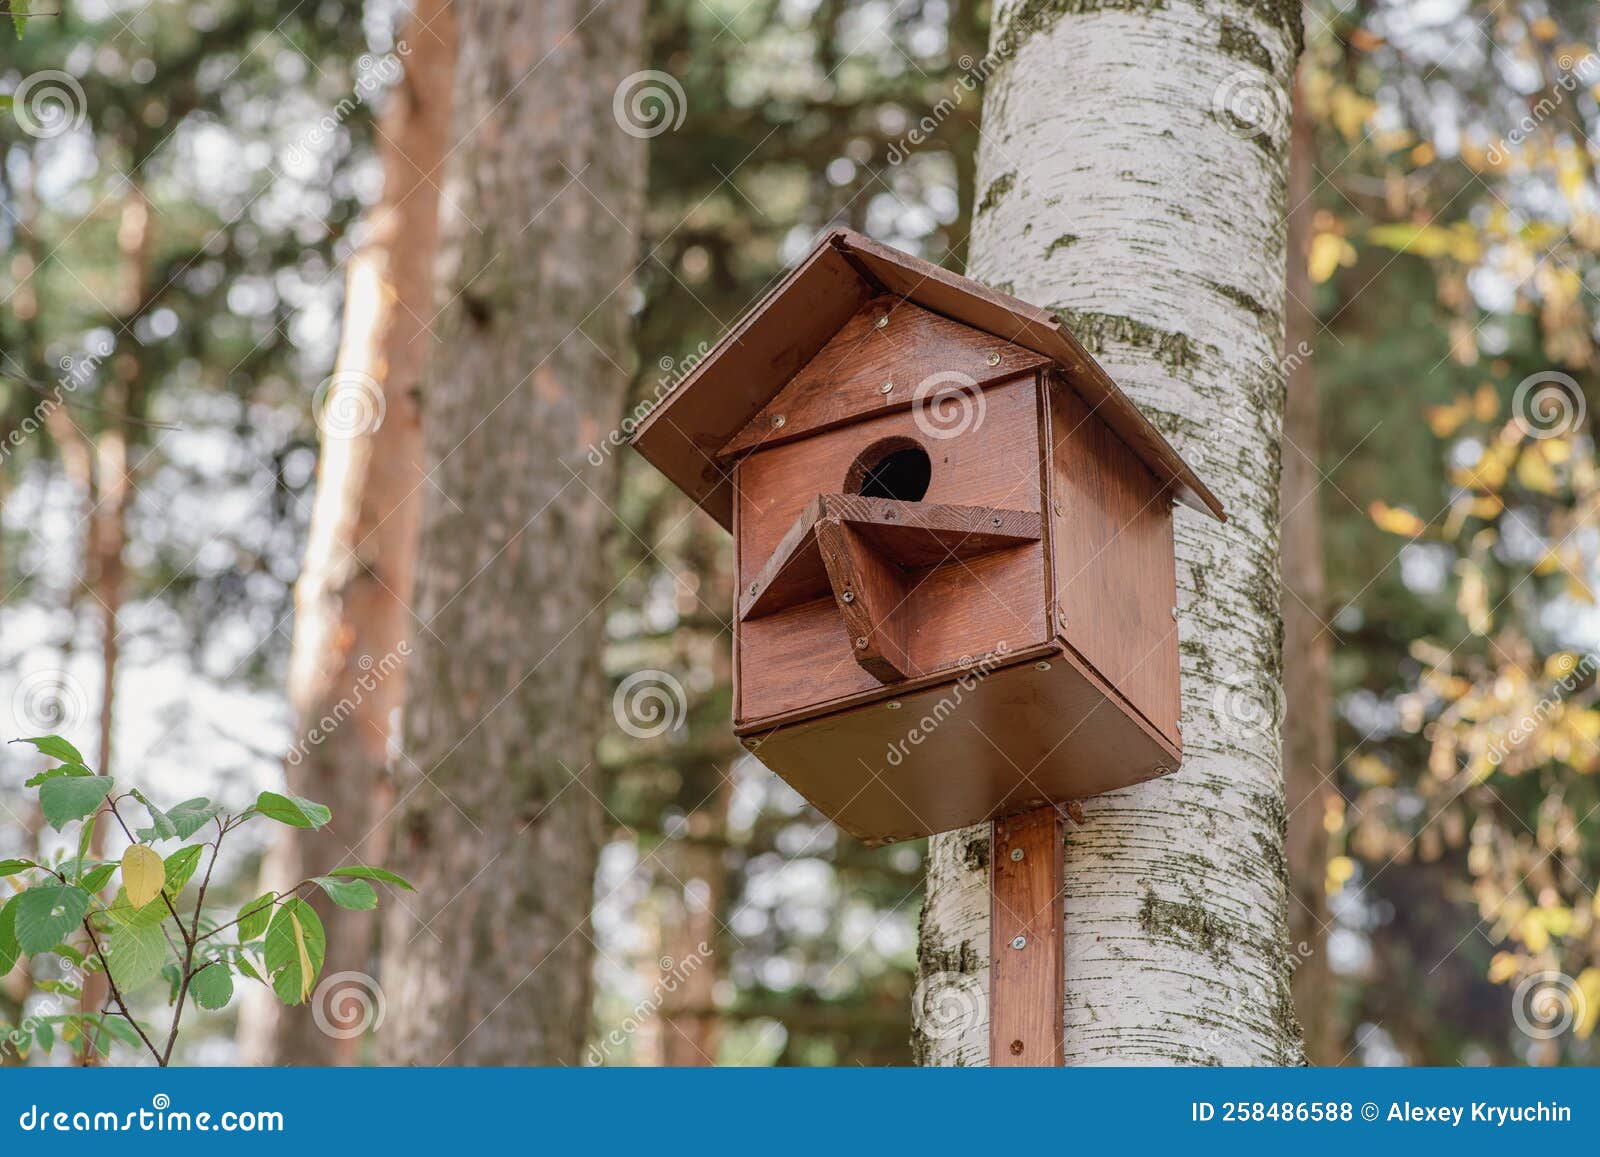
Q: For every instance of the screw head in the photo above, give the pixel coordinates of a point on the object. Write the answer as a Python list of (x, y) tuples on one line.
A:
[(754, 587), (994, 359), (1016, 855), (886, 388), (995, 520), (849, 596), (1020, 942), (1041, 665), (779, 421), (1016, 1048), (893, 705), (883, 320), (861, 642)]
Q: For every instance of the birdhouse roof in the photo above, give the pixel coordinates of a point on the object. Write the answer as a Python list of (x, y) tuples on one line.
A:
[(684, 435)]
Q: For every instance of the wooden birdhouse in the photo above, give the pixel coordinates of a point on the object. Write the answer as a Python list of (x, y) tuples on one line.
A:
[(952, 542)]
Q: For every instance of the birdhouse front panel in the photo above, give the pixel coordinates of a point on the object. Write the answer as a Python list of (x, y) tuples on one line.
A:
[(953, 544), (968, 580)]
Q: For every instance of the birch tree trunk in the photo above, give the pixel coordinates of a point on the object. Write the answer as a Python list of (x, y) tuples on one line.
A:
[(1132, 177), (353, 623), (489, 963)]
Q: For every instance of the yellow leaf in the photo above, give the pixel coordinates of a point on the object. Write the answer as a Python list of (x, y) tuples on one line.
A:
[(306, 971), (1589, 985), (1502, 967), (1340, 869), (1535, 473), (1328, 252), (143, 875), (1396, 520), (1544, 28)]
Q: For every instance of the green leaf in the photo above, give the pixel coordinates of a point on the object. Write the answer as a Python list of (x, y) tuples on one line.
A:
[(120, 1029), (294, 950), (161, 825), (12, 867), (191, 815), (19, 19), (180, 867), (46, 913), (53, 745), (356, 894), (96, 878), (10, 950), (383, 876), (174, 979), (122, 911), (248, 969), (134, 955), (66, 769), (212, 986), (85, 842), (254, 916), (292, 810), (42, 1032), (71, 798)]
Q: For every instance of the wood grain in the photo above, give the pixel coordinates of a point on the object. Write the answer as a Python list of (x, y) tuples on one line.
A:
[(845, 381), (1112, 552), (870, 592), (800, 657), (1026, 948)]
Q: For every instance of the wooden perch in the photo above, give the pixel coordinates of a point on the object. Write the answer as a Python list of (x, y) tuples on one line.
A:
[(865, 552)]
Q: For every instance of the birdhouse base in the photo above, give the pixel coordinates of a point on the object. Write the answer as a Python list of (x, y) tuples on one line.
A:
[(1010, 734)]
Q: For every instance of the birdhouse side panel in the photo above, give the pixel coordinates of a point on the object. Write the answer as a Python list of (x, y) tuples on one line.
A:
[(1114, 562), (801, 659)]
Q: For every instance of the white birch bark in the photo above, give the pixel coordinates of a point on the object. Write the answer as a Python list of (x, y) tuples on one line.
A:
[(1132, 176)]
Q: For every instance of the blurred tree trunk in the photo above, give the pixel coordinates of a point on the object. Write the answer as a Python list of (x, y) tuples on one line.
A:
[(1132, 178), (1308, 724), (498, 821), (353, 626)]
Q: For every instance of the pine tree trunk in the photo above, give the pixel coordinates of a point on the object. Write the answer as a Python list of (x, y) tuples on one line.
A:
[(489, 963), (353, 625), (1308, 759), (1132, 177)]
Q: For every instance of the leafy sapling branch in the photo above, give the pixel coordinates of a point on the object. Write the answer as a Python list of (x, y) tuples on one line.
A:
[(154, 926)]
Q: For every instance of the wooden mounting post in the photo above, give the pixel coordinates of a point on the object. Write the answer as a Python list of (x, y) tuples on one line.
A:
[(1026, 972)]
